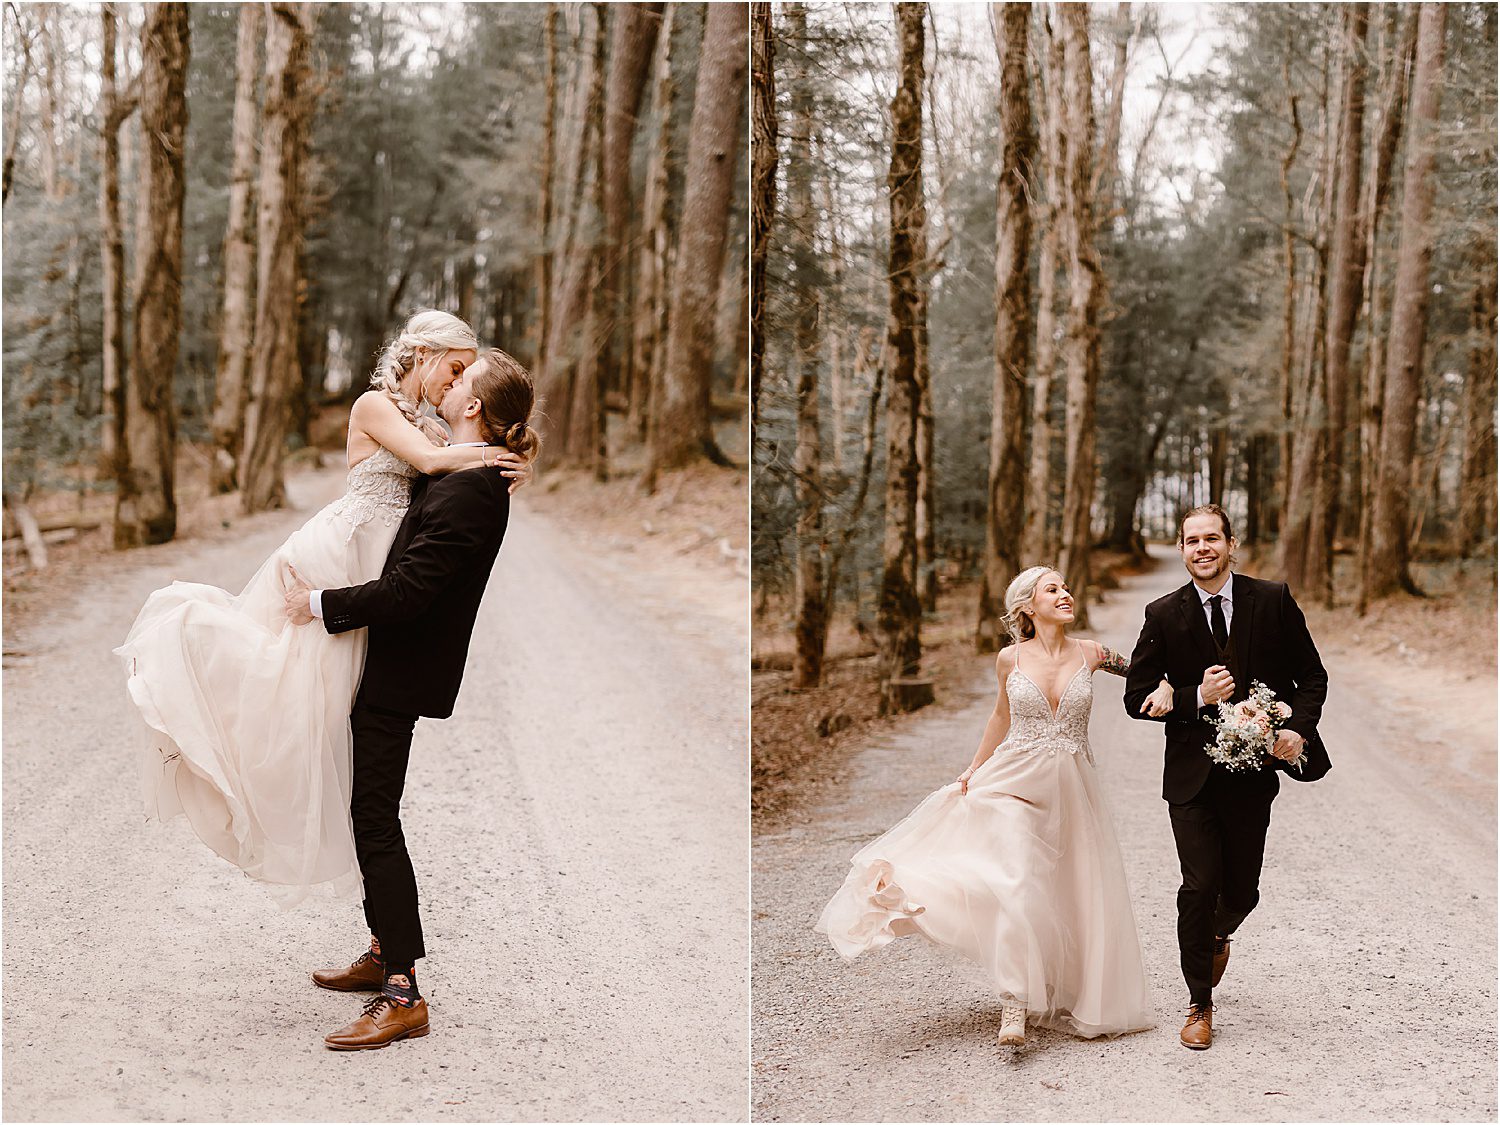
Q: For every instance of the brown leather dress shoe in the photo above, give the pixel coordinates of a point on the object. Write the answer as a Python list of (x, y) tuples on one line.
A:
[(381, 1023), (1221, 959), (1198, 1032), (366, 974)]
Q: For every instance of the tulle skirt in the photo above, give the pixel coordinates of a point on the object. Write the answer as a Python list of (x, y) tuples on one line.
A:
[(246, 716), (1022, 875)]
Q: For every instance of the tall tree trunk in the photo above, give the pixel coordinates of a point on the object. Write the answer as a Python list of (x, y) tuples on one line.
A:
[(651, 312), (1289, 298), (926, 514), (274, 374), (145, 505), (1037, 541), (547, 203), (586, 422), (763, 159), (1302, 555), (1003, 522), (51, 184), (632, 43), (1389, 562), (567, 346), (13, 121), (588, 247), (1086, 285), (112, 252), (1346, 274), (685, 430), (1373, 393), (805, 291), (1476, 487), (231, 385), (900, 611)]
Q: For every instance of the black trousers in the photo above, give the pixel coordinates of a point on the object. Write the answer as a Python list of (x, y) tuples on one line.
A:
[(382, 747), (1221, 841)]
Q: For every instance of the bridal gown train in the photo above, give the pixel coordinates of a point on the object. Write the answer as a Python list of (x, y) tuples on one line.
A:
[(1022, 875), (247, 716)]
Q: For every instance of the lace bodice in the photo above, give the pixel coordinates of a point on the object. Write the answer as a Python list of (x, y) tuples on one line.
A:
[(379, 488), (1033, 726)]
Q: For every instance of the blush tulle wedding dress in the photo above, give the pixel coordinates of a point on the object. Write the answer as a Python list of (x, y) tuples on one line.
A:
[(1022, 875), (247, 716)]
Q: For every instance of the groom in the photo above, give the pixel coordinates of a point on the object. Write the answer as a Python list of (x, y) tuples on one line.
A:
[(1211, 638), (420, 614)]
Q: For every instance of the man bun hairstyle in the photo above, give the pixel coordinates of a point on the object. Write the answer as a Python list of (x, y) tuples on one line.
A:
[(506, 400), (434, 331)]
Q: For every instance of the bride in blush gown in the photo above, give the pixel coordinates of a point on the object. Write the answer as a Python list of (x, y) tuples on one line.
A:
[(1015, 864), (247, 717)]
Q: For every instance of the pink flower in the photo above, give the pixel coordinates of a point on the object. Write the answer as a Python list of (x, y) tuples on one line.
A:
[(1282, 710), (1246, 709)]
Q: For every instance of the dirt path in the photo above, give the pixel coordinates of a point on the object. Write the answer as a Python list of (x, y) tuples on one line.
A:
[(1363, 988), (578, 829)]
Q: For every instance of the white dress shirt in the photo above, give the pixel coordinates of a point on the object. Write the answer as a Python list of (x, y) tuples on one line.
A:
[(1227, 605), (315, 597)]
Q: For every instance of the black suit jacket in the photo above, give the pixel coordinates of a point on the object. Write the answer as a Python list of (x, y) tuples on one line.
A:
[(1268, 641), (421, 610)]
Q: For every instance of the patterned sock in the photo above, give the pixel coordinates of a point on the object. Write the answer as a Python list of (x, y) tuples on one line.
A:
[(401, 985)]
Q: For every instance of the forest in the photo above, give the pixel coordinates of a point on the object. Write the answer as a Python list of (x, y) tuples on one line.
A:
[(1030, 280), (215, 214)]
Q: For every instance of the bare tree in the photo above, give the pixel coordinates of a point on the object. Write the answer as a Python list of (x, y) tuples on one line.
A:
[(1476, 487), (236, 325), (26, 35), (145, 504), (1307, 535), (1003, 522), (684, 432), (1037, 541), (547, 203), (1086, 285), (632, 43), (763, 158), (804, 291), (651, 291), (274, 371), (115, 108), (1389, 568), (900, 610)]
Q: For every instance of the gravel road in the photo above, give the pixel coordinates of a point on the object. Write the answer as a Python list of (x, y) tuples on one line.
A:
[(579, 829), (1362, 988)]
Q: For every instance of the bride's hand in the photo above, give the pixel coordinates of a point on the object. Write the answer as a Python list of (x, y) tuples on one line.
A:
[(1159, 702), (514, 466), (963, 781)]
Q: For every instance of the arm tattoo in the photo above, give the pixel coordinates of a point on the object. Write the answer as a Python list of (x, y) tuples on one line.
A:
[(1112, 661)]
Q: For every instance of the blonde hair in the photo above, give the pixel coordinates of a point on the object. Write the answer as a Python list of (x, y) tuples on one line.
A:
[(1018, 595), (434, 330), (506, 399)]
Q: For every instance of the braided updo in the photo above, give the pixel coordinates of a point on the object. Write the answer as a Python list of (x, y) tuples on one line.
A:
[(428, 329), (506, 399)]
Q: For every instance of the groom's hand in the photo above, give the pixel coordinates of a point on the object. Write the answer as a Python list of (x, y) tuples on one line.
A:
[(1218, 685), (1288, 746), (298, 597)]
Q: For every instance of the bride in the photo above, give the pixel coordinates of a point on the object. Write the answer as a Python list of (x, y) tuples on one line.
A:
[(246, 717), (1015, 864)]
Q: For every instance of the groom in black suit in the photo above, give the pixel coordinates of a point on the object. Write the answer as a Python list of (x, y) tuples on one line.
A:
[(1211, 638), (420, 614)]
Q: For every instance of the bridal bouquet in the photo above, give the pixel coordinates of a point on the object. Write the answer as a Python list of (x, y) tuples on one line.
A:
[(1247, 729)]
